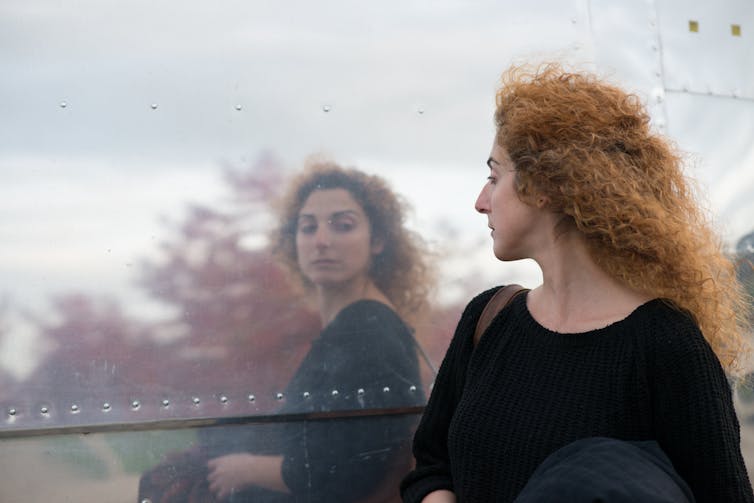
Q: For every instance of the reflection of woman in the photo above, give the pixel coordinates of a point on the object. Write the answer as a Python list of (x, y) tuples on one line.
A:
[(629, 335), (341, 231)]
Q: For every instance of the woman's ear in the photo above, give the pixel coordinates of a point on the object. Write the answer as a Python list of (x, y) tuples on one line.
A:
[(542, 202)]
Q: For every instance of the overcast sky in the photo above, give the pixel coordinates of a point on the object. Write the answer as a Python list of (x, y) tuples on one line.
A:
[(113, 113)]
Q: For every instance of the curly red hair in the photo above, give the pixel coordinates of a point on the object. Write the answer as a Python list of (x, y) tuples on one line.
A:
[(587, 146)]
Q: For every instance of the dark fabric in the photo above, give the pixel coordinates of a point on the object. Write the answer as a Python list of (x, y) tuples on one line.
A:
[(606, 470), (368, 347), (497, 411)]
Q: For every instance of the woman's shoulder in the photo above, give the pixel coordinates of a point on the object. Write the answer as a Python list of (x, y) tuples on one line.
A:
[(477, 304), (367, 315), (673, 334)]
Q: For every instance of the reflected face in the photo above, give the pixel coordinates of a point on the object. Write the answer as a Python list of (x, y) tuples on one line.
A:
[(333, 239), (513, 222)]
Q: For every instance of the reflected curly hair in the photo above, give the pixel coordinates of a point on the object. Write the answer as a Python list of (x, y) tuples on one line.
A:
[(400, 270), (588, 148)]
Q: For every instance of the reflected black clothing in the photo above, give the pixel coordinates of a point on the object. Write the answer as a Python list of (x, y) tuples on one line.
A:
[(497, 411), (364, 359)]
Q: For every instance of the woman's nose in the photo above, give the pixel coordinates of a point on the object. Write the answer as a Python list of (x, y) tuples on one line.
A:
[(482, 201), (323, 237)]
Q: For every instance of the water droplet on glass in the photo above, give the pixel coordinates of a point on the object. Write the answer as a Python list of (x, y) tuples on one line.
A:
[(326, 108)]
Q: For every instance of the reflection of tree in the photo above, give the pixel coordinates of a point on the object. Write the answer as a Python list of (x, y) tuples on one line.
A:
[(238, 323), (241, 323)]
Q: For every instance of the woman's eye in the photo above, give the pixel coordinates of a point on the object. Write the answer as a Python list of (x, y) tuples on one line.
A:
[(343, 225), (491, 180), (307, 229)]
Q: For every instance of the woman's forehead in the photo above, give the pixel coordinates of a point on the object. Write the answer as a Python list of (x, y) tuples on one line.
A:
[(325, 202)]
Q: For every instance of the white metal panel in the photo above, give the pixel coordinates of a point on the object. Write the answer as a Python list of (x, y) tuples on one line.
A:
[(711, 60), (627, 48)]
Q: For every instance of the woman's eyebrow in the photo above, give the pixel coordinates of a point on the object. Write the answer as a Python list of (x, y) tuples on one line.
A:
[(492, 161)]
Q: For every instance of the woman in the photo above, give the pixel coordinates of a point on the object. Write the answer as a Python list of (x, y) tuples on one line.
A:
[(341, 233), (633, 328)]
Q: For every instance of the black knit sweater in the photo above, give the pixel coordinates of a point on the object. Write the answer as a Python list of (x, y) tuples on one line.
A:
[(499, 409)]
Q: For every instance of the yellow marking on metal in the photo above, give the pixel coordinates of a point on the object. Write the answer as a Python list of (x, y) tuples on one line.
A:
[(735, 30), (694, 26)]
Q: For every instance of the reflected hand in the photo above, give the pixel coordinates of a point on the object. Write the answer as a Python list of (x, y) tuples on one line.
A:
[(230, 473), (234, 472)]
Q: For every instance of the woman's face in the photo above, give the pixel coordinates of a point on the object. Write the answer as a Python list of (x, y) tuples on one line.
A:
[(333, 239), (515, 225)]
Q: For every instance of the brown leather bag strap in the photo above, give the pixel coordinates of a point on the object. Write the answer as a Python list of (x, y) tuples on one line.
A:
[(497, 302)]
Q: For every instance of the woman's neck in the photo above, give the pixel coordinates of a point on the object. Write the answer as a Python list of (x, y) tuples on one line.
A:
[(576, 294), (332, 299)]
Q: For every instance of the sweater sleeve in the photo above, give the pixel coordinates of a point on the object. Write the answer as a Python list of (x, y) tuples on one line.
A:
[(346, 459), (432, 471), (694, 418)]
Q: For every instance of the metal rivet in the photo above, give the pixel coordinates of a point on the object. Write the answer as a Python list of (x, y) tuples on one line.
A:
[(63, 104), (135, 404), (44, 410), (334, 392), (196, 400), (252, 398), (74, 408), (153, 106), (420, 111), (412, 388), (654, 47), (386, 389), (166, 403), (11, 412), (239, 107), (224, 399), (106, 406), (735, 93), (360, 391), (573, 20), (326, 108), (279, 396), (306, 394)]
